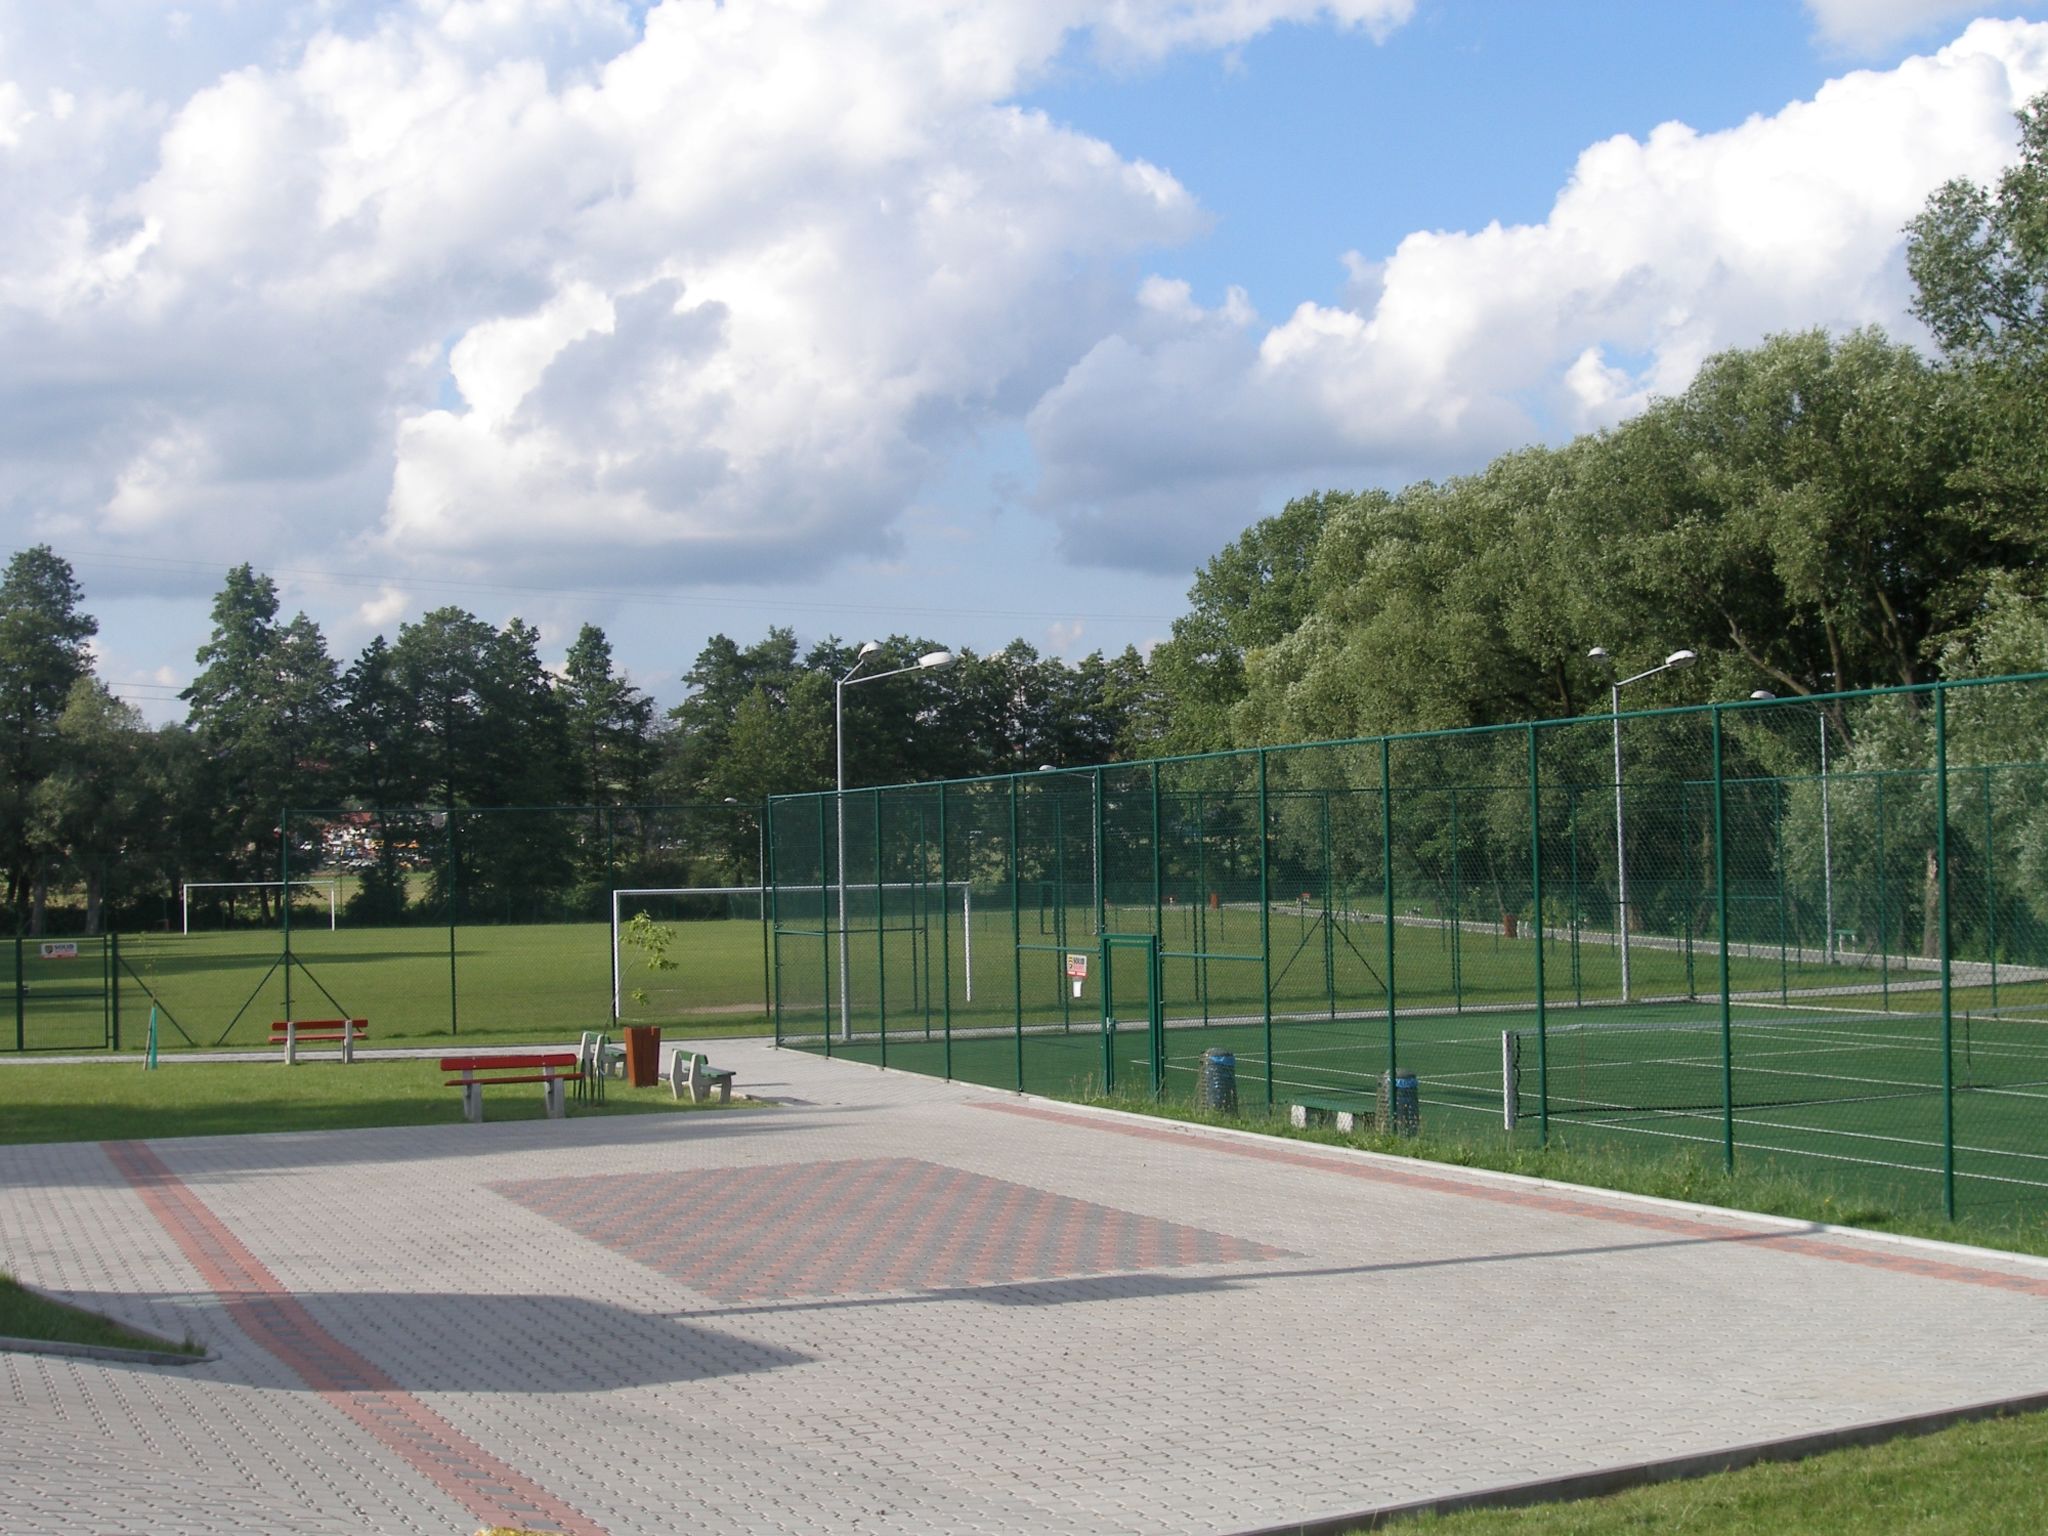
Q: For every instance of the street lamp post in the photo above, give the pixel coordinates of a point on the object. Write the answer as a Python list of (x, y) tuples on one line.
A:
[(1677, 661), (926, 662), (1827, 836)]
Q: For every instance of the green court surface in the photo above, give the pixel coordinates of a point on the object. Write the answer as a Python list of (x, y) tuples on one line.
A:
[(1851, 1091)]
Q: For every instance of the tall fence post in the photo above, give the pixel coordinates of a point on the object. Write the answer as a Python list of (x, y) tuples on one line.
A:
[(20, 996), (1017, 935), (946, 938), (1721, 925), (284, 892), (454, 876), (1948, 1061), (1266, 926), (1536, 895), (1387, 900)]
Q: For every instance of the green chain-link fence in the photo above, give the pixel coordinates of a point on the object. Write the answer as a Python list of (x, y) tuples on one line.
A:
[(427, 922), (1813, 932)]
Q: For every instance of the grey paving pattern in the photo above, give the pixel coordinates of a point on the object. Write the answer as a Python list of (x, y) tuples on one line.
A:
[(1338, 1333)]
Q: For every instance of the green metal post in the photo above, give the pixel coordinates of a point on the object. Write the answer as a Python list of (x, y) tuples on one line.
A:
[(1202, 901), (767, 900), (1059, 908), (1387, 890), (825, 910), (771, 928), (1721, 918), (1990, 889), (1884, 948), (1017, 936), (1784, 938), (20, 997), (1329, 909), (454, 876), (284, 869), (1095, 858), (1266, 927), (1692, 884), (946, 940), (1536, 887), (881, 942), (1948, 1064), (114, 984), (1578, 976), (1457, 910)]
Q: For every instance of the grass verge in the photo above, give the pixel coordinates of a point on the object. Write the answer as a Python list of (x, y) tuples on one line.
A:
[(1979, 1479), (27, 1314), (119, 1100), (1757, 1185)]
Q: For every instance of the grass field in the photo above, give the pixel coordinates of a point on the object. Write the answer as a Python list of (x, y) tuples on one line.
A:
[(101, 1101), (540, 981), (1978, 1479)]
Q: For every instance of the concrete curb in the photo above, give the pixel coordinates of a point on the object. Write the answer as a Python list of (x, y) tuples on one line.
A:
[(103, 1352)]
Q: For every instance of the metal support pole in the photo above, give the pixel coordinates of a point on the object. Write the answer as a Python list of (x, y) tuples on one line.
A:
[(1721, 911), (1948, 1061), (946, 941), (1387, 891), (1620, 843), (1536, 890), (839, 745), (1827, 842), (1265, 927), (284, 887)]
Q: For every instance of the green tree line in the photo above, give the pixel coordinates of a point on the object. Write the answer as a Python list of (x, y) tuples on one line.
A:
[(1811, 515)]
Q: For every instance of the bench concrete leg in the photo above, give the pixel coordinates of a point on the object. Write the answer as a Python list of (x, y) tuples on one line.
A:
[(725, 1090), (348, 1045), (1347, 1121), (551, 1093), (473, 1102), (1297, 1116), (291, 1043)]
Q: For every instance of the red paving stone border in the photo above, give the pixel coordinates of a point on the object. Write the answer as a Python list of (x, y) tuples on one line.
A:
[(261, 1306), (1536, 1198)]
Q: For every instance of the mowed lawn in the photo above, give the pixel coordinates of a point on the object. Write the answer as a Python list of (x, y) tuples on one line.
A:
[(122, 1100), (543, 981)]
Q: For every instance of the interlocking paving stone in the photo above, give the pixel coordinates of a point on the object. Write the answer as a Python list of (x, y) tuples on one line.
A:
[(903, 1306), (862, 1226)]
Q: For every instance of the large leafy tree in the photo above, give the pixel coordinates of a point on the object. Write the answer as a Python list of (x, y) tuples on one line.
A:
[(43, 654), (264, 707)]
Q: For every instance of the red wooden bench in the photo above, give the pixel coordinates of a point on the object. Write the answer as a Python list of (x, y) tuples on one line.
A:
[(293, 1033), (550, 1069)]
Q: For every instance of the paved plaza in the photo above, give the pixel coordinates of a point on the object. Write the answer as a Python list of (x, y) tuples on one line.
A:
[(887, 1304)]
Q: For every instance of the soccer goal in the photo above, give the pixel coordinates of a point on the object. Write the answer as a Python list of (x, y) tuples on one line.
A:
[(331, 887), (713, 956)]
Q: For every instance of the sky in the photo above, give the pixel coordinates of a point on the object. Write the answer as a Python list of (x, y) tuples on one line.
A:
[(971, 320)]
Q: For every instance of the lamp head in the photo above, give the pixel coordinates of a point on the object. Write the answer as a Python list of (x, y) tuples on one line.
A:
[(868, 648), (1678, 661), (1762, 693), (936, 659), (1599, 653), (1048, 767)]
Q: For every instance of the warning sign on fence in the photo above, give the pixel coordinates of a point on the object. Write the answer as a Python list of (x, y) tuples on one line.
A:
[(1077, 967), (60, 951)]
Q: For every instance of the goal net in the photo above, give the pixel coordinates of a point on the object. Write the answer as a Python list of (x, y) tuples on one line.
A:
[(686, 951), (239, 903)]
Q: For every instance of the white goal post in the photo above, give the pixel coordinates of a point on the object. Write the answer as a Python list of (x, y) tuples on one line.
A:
[(331, 887), (966, 894)]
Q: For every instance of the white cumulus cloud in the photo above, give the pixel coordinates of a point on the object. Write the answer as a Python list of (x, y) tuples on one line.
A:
[(1657, 253), (499, 285)]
